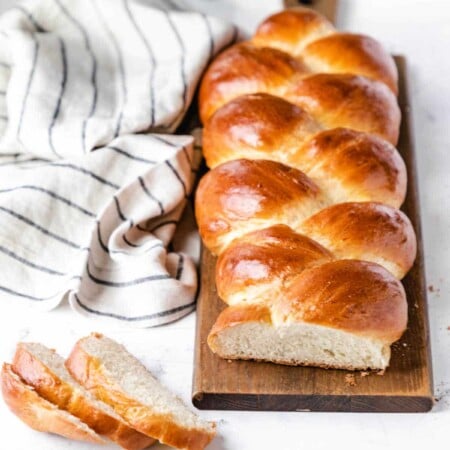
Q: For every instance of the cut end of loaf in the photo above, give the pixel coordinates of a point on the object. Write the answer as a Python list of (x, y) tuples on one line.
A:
[(116, 377), (300, 344)]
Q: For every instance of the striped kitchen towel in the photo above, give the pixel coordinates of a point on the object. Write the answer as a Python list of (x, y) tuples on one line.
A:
[(92, 182)]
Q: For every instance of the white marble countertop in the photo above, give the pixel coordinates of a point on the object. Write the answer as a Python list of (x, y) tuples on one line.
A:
[(420, 30)]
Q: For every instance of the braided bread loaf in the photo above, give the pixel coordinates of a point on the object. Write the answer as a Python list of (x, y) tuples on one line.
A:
[(301, 204)]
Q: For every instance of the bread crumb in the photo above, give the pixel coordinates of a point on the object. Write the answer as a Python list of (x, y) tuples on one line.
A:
[(229, 361), (365, 374), (433, 289), (416, 305), (381, 372), (350, 379), (405, 344)]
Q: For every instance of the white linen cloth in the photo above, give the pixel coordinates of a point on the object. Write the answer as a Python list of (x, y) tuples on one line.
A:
[(88, 207)]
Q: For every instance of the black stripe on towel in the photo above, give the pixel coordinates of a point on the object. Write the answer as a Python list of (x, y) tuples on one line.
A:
[(151, 58), (165, 313), (51, 194), (30, 17), (30, 79), (119, 209), (119, 284), (27, 296), (29, 263), (157, 137), (124, 218), (125, 239), (19, 162), (159, 225), (60, 96), (88, 46), (129, 155), (210, 36), (120, 64), (180, 267), (175, 172), (182, 63), (85, 172), (40, 228), (150, 195)]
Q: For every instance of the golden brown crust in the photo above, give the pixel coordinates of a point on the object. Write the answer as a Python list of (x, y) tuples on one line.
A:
[(310, 37), (366, 231), (48, 385), (258, 126), (244, 69), (38, 413), (336, 124), (265, 257), (291, 30), (349, 165), (89, 372), (352, 53), (359, 297), (354, 166), (348, 101), (246, 193)]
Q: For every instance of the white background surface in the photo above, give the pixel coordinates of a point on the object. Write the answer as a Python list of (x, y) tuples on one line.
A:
[(420, 30)]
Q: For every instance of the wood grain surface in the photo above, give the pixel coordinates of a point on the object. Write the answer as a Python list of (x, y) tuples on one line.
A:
[(407, 384), (326, 7)]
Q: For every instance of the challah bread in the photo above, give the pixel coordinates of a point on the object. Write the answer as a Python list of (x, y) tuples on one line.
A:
[(40, 414), (347, 164), (300, 124), (114, 376), (44, 370), (342, 314)]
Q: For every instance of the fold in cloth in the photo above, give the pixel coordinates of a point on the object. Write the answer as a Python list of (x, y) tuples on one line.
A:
[(88, 207)]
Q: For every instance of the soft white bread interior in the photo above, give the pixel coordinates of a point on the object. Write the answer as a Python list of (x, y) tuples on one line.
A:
[(44, 370), (116, 377), (39, 414)]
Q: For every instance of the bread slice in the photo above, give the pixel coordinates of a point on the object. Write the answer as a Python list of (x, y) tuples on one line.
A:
[(106, 368), (44, 370), (247, 332), (39, 414)]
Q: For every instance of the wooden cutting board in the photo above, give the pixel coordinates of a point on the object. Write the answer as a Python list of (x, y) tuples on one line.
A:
[(406, 386)]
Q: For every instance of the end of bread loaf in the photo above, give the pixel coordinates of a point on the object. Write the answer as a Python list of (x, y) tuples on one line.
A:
[(44, 370), (40, 414), (254, 338), (341, 314), (116, 377)]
